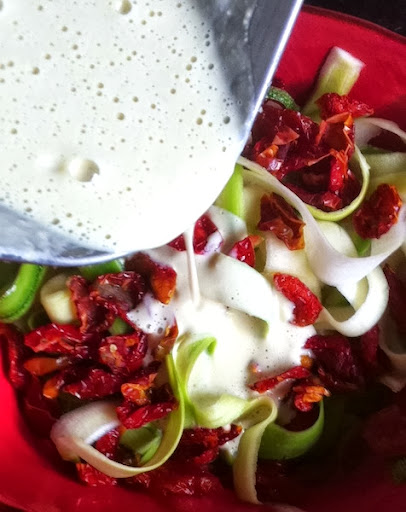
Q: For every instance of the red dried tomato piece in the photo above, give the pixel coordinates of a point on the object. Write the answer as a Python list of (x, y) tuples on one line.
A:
[(15, 355), (338, 172), (96, 383), (206, 237), (307, 394), (385, 432), (327, 183), (40, 366), (378, 213), (297, 372), (139, 417), (57, 339), (179, 479), (270, 127), (124, 353), (280, 218), (161, 278), (313, 163), (338, 134), (369, 345), (166, 344), (54, 384), (244, 250), (307, 305), (201, 445), (162, 403), (138, 389), (108, 444), (397, 299), (119, 293), (331, 104), (337, 365), (92, 316), (93, 477)]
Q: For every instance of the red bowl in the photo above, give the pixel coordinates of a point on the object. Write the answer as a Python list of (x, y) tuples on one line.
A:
[(32, 479)]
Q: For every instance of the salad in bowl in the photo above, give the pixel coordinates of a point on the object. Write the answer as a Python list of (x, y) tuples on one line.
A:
[(257, 358)]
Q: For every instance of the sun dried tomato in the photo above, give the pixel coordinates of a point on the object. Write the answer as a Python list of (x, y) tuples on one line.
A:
[(306, 395), (338, 172), (162, 403), (93, 477), (331, 104), (378, 213), (385, 432), (119, 293), (295, 153), (161, 278), (337, 364), (206, 237), (108, 444), (136, 417), (166, 344), (54, 384), (15, 355), (179, 479), (314, 162), (92, 316), (244, 250), (138, 389), (40, 366), (280, 218), (326, 201), (297, 372), (95, 383), (307, 305), (369, 345), (201, 445), (124, 353), (337, 133), (397, 299), (57, 339)]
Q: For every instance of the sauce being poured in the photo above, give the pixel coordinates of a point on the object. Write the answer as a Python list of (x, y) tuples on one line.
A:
[(106, 105)]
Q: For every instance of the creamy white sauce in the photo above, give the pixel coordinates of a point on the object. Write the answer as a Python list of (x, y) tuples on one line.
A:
[(242, 339), (106, 104)]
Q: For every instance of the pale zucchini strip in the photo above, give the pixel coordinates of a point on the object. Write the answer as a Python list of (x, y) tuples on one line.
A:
[(338, 74), (328, 264), (263, 412), (74, 433), (366, 128)]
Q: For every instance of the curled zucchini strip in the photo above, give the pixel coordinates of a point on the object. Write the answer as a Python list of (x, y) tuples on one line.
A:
[(360, 161), (366, 128), (328, 264), (278, 443), (75, 432), (18, 298), (367, 315), (258, 417), (208, 412), (338, 74)]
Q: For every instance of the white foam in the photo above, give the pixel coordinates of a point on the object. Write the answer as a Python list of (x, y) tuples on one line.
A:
[(114, 119)]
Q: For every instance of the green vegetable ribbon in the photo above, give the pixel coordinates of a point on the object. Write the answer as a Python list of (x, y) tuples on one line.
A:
[(18, 298)]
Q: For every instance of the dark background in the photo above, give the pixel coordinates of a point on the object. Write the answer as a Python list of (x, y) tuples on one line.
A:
[(388, 13)]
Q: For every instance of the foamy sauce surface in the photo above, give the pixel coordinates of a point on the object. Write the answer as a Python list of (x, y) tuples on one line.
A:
[(116, 126)]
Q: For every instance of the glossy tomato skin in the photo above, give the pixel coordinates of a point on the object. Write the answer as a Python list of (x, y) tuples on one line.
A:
[(51, 486)]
